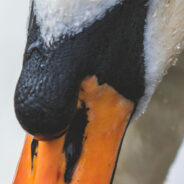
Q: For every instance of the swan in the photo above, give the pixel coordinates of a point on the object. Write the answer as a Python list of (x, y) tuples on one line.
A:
[(90, 68)]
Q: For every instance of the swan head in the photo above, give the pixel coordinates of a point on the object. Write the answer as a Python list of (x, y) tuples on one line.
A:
[(90, 67)]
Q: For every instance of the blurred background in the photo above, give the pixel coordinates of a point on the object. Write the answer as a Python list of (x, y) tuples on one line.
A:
[(152, 151)]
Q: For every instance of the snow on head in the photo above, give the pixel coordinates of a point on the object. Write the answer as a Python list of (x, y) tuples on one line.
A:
[(68, 17)]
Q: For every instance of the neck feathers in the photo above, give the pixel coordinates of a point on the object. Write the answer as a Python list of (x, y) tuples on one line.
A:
[(163, 42)]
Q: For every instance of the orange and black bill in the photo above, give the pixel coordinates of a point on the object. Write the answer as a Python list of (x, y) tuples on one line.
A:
[(76, 95), (104, 114)]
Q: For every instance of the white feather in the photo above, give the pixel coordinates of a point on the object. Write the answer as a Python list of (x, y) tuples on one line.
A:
[(68, 17), (164, 41)]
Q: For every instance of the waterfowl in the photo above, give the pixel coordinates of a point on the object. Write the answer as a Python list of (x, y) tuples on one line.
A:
[(90, 68)]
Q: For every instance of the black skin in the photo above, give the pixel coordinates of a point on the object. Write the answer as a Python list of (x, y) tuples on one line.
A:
[(34, 145), (74, 140), (47, 91)]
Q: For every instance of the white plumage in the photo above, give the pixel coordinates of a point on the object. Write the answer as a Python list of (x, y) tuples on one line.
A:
[(68, 17), (163, 42)]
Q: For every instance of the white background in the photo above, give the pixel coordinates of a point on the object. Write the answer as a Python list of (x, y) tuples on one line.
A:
[(13, 18)]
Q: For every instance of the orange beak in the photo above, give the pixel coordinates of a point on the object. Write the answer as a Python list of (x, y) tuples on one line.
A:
[(44, 162)]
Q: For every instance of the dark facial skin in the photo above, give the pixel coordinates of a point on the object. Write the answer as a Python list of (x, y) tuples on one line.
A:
[(47, 91)]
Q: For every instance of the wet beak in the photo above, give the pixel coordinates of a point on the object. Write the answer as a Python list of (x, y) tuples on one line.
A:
[(108, 115)]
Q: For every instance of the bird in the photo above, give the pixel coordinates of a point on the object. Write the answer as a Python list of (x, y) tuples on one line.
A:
[(90, 69)]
